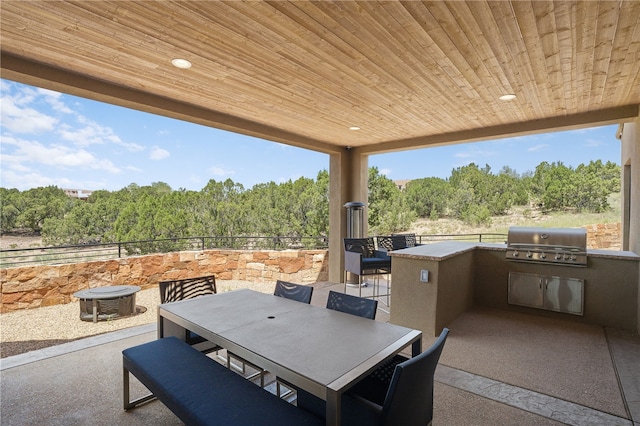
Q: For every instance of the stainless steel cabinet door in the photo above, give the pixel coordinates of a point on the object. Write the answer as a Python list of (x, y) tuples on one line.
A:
[(526, 289), (546, 292), (564, 295)]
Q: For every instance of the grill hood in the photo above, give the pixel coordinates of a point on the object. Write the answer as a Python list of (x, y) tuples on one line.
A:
[(565, 246)]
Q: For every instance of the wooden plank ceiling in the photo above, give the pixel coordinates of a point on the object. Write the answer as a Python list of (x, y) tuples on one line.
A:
[(408, 74)]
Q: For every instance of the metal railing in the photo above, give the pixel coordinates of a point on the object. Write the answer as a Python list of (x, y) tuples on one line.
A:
[(105, 251), (99, 252), (478, 238)]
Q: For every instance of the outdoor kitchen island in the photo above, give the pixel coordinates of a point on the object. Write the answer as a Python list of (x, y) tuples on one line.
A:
[(461, 274)]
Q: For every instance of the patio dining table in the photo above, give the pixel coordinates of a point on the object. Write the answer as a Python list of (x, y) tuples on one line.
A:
[(320, 350)]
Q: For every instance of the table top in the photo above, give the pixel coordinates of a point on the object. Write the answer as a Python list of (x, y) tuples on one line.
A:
[(107, 292), (312, 347)]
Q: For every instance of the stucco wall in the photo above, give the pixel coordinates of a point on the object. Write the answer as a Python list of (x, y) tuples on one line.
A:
[(609, 290), (630, 157), (35, 286), (463, 275), (430, 306)]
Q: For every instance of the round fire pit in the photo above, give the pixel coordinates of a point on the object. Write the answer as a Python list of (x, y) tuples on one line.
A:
[(106, 303)]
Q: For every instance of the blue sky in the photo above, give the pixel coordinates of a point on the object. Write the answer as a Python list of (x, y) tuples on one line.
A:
[(49, 138)]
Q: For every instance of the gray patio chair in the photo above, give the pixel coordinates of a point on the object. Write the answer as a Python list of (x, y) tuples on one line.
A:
[(297, 292), (361, 258), (189, 288), (396, 241), (353, 305), (398, 393)]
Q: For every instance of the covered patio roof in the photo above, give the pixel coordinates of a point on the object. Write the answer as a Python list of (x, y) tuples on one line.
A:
[(407, 74)]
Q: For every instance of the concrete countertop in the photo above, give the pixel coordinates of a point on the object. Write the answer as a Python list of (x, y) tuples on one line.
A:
[(446, 249), (435, 251)]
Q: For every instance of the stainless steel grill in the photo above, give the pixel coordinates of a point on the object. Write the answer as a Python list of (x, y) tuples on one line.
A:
[(563, 246)]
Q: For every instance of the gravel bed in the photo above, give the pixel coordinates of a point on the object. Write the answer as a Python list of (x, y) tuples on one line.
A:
[(32, 329)]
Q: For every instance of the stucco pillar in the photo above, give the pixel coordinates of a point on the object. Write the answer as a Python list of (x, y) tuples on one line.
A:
[(348, 181), (630, 162)]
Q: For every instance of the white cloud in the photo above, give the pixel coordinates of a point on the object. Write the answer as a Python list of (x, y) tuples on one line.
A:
[(538, 147), (53, 99), (93, 133), (17, 118), (26, 152), (592, 143), (158, 153), (474, 152), (464, 154), (24, 181), (220, 171), (385, 172), (133, 169)]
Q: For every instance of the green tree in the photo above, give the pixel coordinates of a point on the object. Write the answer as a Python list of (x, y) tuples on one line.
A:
[(428, 197), (318, 216), (396, 217), (388, 210), (9, 209), (594, 182), (554, 185), (381, 190), (37, 204), (473, 192)]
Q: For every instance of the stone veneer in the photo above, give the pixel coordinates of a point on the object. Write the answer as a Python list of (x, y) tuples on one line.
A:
[(36, 286), (604, 236)]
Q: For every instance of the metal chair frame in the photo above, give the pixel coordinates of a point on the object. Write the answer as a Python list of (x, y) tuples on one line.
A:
[(361, 258), (189, 288)]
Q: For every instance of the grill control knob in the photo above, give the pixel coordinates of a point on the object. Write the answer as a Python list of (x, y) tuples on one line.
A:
[(515, 253), (529, 254), (558, 256), (543, 255)]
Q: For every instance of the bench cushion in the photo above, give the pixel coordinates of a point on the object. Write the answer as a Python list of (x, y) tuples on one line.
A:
[(201, 391)]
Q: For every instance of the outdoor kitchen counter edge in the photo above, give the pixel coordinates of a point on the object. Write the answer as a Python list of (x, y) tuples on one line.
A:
[(447, 249)]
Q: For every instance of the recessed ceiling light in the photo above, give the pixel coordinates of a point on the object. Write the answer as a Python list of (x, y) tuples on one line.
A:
[(181, 63), (354, 128), (508, 97)]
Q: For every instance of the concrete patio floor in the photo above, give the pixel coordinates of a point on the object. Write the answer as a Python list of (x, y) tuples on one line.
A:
[(497, 367)]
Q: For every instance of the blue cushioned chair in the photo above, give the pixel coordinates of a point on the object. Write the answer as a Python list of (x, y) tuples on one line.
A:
[(361, 258)]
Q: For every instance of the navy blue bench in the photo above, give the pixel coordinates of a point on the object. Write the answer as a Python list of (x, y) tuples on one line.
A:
[(201, 391)]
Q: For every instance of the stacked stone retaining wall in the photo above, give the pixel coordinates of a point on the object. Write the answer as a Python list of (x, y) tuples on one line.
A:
[(35, 286), (604, 236)]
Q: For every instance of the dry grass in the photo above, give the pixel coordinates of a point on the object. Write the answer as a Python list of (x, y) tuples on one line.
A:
[(520, 216), (32, 329)]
